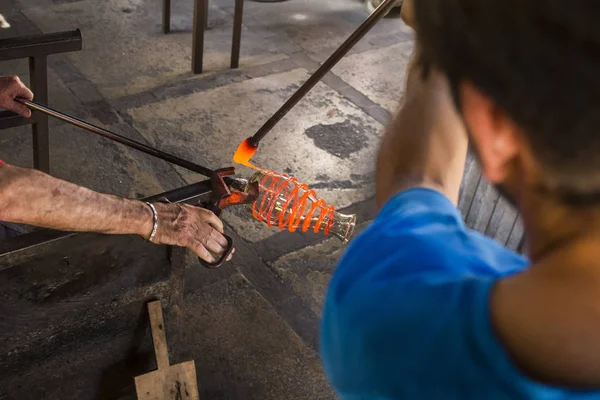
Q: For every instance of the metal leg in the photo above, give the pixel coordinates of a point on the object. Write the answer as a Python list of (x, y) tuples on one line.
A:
[(38, 73), (166, 22), (237, 33), (200, 15)]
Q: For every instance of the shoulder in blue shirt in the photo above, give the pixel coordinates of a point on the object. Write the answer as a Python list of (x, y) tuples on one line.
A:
[(406, 314)]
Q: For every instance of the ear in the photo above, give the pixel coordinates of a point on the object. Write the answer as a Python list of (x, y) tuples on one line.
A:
[(491, 131)]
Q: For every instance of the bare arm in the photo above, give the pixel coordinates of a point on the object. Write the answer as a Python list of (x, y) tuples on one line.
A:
[(31, 197), (34, 198), (426, 144)]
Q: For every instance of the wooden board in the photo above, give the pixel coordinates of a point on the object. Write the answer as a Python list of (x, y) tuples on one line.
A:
[(176, 382), (168, 382), (485, 211)]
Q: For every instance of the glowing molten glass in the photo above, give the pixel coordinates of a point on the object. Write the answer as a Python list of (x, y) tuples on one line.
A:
[(244, 153), (287, 204)]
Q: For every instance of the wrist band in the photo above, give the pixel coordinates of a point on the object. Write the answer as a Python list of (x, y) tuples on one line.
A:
[(154, 222)]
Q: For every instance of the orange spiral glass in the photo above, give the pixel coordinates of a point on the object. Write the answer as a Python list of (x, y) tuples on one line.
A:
[(288, 204)]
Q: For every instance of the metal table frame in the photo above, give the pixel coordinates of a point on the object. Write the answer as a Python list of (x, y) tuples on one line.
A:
[(37, 48), (200, 25)]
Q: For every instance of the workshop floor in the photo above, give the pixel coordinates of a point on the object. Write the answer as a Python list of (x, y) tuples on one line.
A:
[(134, 80)]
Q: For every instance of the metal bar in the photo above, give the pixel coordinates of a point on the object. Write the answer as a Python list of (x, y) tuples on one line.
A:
[(9, 119), (38, 73), (166, 16), (365, 27), (237, 33), (118, 138), (40, 45), (200, 16)]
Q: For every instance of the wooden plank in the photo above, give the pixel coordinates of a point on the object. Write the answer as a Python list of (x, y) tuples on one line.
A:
[(477, 205), (489, 202), (176, 382), (469, 185), (516, 236), (484, 210), (497, 226), (158, 335)]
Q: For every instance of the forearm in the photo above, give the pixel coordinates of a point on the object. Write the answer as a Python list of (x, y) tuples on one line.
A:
[(30, 197), (426, 143)]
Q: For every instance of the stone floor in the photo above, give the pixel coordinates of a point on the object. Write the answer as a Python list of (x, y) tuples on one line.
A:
[(132, 79)]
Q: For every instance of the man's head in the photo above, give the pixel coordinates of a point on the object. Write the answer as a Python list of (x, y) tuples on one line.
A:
[(526, 78)]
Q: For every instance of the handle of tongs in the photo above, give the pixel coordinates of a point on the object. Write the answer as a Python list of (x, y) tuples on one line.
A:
[(222, 259)]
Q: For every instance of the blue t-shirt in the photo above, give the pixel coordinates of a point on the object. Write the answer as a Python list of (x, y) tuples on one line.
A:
[(407, 312)]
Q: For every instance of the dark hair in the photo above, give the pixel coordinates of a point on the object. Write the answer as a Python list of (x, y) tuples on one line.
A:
[(539, 60)]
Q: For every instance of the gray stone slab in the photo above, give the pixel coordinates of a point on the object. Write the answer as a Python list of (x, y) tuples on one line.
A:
[(325, 140), (88, 160), (309, 270), (313, 27), (59, 95), (85, 91), (379, 74), (126, 53), (19, 24), (15, 67), (243, 350), (317, 27)]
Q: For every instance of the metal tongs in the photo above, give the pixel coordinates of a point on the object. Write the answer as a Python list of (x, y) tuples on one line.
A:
[(221, 196)]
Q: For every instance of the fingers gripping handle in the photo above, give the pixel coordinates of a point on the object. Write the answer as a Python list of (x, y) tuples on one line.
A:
[(226, 253), (223, 258)]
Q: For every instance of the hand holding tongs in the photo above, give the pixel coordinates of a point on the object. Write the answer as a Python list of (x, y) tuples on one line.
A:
[(221, 195)]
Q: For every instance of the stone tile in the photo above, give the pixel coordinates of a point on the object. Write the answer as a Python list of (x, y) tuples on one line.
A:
[(378, 74), (85, 159), (35, 3), (19, 24), (61, 65), (317, 27), (126, 53), (85, 91), (308, 271), (322, 140), (272, 68), (59, 96), (15, 67), (244, 350), (390, 25), (313, 26)]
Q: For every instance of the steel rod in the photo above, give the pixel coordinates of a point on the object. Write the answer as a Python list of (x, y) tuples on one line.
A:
[(362, 30), (118, 138)]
